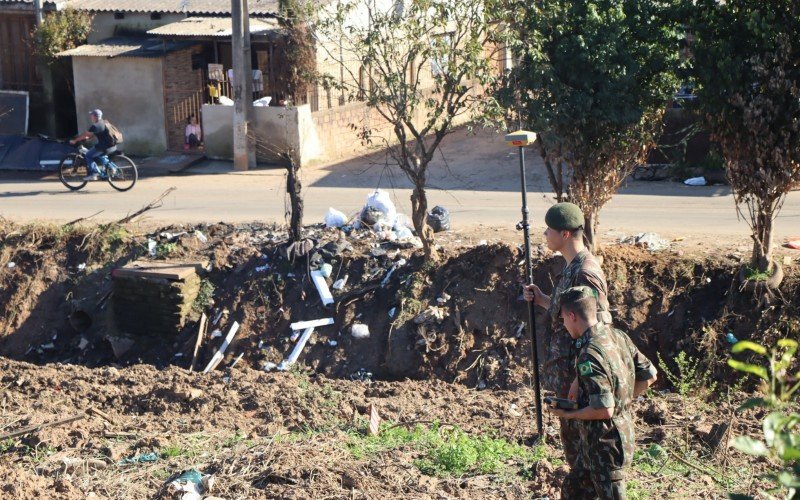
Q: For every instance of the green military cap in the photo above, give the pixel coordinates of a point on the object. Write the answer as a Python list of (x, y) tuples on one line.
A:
[(564, 216), (576, 293)]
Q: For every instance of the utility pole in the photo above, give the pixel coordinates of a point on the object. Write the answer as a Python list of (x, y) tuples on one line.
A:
[(244, 154), (37, 9)]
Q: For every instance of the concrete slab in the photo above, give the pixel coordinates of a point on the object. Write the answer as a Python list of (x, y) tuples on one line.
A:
[(173, 271), (168, 163)]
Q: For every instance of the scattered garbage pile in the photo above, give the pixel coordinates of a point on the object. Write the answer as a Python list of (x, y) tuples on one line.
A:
[(347, 302)]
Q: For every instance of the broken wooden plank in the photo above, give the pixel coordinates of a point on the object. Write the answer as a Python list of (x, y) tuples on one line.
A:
[(201, 333), (374, 420), (298, 348), (217, 358), (94, 411), (173, 271), (35, 428), (303, 325), (322, 288)]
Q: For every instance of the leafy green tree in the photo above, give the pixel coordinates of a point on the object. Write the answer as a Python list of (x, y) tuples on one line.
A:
[(60, 31), (745, 55), (419, 66), (781, 427), (594, 79)]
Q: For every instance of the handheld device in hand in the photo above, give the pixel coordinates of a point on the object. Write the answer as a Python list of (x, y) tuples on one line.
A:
[(561, 403)]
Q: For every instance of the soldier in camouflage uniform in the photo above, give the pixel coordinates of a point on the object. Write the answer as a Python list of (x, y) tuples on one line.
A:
[(611, 374), (564, 234)]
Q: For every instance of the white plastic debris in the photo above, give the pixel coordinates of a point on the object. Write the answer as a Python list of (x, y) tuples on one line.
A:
[(217, 358), (403, 232), (172, 236), (332, 343), (322, 287), (395, 266), (200, 236), (335, 218), (359, 331), (12, 265), (261, 269), (191, 485), (298, 348), (340, 283), (269, 366), (696, 181), (216, 333), (302, 325), (392, 312), (650, 241), (380, 201), (83, 343), (81, 266), (326, 270), (263, 102), (151, 247), (225, 100), (482, 243)]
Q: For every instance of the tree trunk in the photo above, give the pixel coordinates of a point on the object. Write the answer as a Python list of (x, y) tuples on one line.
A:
[(762, 240), (590, 230), (419, 212), (294, 188)]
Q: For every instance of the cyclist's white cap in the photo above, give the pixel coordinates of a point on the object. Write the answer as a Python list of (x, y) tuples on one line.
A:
[(96, 112)]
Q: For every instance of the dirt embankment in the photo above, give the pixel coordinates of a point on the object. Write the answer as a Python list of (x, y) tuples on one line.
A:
[(293, 435), (459, 320)]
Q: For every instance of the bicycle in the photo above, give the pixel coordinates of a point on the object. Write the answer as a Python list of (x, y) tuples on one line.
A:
[(119, 170)]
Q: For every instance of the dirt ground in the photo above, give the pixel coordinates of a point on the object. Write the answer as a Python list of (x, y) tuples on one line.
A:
[(446, 366)]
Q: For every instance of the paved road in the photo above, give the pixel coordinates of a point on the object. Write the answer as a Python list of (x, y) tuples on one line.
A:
[(477, 179)]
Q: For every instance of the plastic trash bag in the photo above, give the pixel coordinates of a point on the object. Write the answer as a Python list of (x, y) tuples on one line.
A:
[(439, 219), (696, 181), (335, 218)]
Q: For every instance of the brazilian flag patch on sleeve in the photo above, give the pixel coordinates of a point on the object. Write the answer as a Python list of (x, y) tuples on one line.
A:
[(585, 368)]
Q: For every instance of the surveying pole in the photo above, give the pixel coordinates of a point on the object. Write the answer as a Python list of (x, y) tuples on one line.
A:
[(520, 139)]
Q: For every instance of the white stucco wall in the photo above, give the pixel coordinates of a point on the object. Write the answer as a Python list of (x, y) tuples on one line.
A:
[(104, 24), (129, 91), (276, 129)]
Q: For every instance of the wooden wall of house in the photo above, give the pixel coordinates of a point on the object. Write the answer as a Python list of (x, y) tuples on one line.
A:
[(17, 63)]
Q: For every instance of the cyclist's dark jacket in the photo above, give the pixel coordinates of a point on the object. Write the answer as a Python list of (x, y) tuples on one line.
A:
[(102, 134)]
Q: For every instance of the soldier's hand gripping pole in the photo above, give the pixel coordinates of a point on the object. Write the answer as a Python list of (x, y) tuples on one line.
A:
[(521, 139)]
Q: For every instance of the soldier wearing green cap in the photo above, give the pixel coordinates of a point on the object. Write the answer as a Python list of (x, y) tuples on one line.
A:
[(564, 234), (611, 374)]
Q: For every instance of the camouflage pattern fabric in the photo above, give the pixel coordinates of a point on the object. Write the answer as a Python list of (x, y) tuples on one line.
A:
[(608, 365), (558, 371)]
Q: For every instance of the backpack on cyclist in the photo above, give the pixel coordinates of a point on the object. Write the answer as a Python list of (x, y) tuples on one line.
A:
[(114, 133)]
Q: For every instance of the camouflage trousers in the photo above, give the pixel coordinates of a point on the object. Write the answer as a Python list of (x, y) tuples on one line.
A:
[(578, 483), (593, 481)]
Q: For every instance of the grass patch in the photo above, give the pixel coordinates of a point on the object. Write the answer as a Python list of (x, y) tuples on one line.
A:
[(173, 450), (751, 274), (447, 452)]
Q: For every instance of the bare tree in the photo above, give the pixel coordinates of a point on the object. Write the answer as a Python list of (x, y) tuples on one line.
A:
[(421, 67)]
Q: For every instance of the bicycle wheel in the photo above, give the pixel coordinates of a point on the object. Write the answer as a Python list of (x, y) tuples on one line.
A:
[(121, 172), (72, 170)]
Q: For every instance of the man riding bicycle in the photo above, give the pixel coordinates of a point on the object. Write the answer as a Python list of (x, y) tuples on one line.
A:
[(105, 143)]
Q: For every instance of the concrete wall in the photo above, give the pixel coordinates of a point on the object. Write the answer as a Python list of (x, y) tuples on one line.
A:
[(129, 91), (276, 128), (105, 26)]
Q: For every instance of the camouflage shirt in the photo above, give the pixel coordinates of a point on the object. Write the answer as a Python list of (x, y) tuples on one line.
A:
[(559, 366), (608, 365)]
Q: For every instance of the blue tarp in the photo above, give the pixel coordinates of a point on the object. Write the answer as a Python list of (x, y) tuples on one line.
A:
[(31, 153)]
